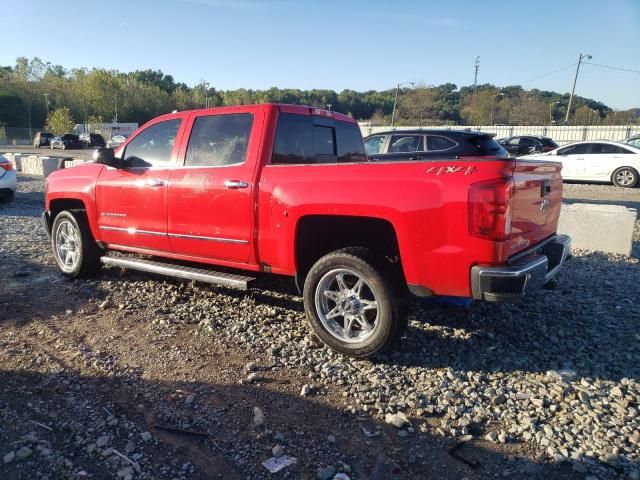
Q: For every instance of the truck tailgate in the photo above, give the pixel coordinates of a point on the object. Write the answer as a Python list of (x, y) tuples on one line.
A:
[(536, 203)]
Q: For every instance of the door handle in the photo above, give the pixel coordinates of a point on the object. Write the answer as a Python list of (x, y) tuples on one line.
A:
[(578, 158), (235, 184), (415, 158), (155, 182)]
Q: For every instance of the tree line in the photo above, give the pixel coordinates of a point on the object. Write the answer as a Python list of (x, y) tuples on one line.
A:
[(32, 90)]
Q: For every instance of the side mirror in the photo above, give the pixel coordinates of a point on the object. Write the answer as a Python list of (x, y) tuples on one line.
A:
[(104, 156)]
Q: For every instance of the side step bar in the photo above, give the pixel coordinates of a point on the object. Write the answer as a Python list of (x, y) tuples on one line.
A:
[(178, 271)]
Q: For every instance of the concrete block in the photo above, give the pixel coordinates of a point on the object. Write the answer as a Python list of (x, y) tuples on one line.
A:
[(36, 165), (74, 163), (603, 228), (17, 163)]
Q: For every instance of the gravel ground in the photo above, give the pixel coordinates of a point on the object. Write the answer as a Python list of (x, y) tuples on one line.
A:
[(98, 375)]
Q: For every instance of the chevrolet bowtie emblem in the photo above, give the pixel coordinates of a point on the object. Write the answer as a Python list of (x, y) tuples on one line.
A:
[(544, 205)]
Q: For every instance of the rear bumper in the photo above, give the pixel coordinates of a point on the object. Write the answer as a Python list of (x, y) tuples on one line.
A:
[(525, 273)]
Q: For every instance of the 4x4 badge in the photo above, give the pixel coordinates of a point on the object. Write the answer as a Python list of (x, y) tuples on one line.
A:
[(452, 169)]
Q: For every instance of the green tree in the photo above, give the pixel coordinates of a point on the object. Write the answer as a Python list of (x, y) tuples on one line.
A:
[(60, 121)]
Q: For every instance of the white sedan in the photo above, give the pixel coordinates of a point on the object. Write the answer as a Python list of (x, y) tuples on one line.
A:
[(597, 161), (8, 181)]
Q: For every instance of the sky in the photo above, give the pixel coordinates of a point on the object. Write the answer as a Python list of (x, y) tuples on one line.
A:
[(340, 44)]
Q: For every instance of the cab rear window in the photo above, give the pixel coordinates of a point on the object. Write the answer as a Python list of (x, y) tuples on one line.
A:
[(303, 139)]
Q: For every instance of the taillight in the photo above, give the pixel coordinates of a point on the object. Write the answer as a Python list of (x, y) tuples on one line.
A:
[(6, 166), (490, 209)]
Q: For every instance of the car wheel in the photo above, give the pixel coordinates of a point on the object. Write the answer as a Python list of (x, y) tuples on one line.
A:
[(74, 248), (625, 177), (351, 304)]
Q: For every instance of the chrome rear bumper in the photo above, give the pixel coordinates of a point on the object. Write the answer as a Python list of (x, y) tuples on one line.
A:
[(525, 273)]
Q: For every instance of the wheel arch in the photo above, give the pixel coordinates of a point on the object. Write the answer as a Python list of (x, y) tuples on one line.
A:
[(317, 234)]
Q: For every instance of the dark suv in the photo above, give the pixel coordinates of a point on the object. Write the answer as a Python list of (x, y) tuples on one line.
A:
[(526, 144), (42, 139), (401, 145), (91, 140)]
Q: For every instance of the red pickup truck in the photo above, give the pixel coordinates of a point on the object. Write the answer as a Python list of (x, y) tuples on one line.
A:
[(289, 190)]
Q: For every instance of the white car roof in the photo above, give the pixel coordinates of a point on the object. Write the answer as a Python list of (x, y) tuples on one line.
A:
[(610, 142)]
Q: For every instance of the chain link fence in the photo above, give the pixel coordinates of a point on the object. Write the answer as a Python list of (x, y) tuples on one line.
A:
[(16, 135)]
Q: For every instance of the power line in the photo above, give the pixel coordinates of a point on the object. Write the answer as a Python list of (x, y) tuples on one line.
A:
[(548, 73), (613, 68)]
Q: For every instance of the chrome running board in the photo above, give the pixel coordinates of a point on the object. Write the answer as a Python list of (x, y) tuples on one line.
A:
[(178, 271)]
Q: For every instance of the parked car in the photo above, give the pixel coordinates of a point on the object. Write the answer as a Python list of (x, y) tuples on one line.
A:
[(403, 145), (8, 180), (633, 141), (527, 144), (116, 141), (42, 139), (597, 161), (287, 189), (92, 140), (66, 142)]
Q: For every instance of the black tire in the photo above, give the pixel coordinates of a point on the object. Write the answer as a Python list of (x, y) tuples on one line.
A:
[(88, 251), (8, 197), (625, 177), (388, 324)]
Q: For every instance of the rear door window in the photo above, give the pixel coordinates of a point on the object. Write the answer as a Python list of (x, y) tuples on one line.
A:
[(219, 140), (406, 144), (606, 148), (439, 143)]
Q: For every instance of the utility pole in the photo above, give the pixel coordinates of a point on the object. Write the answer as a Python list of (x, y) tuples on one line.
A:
[(206, 94), (115, 98), (395, 100), (575, 79), (476, 66), (46, 101)]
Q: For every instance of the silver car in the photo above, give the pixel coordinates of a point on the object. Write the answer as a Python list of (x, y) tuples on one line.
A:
[(8, 180), (116, 141)]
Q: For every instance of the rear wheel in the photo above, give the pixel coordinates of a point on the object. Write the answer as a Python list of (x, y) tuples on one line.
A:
[(76, 252), (625, 177), (351, 304)]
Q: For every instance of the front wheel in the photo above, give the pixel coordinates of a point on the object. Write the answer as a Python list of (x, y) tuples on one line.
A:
[(625, 177), (75, 251), (351, 304)]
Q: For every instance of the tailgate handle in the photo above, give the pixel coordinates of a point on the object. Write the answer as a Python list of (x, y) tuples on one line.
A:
[(545, 188)]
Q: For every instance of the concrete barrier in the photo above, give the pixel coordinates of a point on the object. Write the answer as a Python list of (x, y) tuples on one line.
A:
[(36, 165), (602, 228), (74, 163)]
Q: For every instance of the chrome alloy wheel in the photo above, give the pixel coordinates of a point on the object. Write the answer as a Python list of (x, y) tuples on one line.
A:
[(347, 305), (624, 178), (67, 245)]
